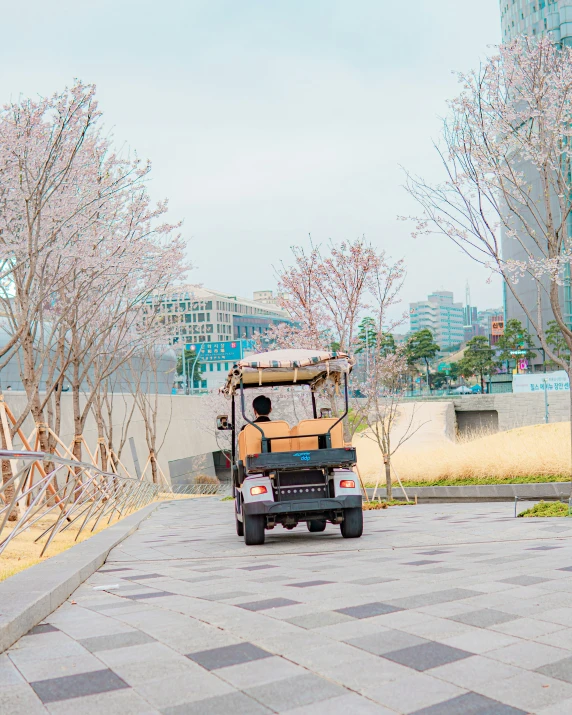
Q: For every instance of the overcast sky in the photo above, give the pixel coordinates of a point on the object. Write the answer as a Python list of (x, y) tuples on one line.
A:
[(267, 121)]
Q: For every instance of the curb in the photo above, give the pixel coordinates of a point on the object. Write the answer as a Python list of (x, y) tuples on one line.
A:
[(482, 493), (29, 596)]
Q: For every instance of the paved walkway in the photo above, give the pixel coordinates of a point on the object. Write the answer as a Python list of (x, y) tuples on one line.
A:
[(437, 610)]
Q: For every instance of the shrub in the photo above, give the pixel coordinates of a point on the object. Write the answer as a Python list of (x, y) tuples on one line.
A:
[(546, 508)]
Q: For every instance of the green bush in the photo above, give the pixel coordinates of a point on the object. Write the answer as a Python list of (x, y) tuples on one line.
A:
[(546, 508)]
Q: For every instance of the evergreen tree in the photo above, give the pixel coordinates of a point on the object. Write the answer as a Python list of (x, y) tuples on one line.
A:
[(421, 346), (479, 359), (516, 337)]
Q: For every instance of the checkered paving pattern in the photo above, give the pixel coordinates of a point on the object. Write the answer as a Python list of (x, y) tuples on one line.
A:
[(436, 610)]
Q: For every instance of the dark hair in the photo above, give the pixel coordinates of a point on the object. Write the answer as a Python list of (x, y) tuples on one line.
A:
[(262, 405)]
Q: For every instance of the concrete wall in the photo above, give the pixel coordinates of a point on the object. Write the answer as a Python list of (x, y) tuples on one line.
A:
[(518, 409), (183, 419)]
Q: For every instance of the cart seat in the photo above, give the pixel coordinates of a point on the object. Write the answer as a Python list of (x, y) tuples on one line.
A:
[(315, 427), (250, 439)]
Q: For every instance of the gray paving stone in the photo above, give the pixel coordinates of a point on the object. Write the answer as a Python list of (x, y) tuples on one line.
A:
[(235, 703), (484, 618), (386, 641), (430, 599), (300, 691), (342, 705), (228, 655), (258, 567), (372, 580), (422, 562), (319, 619), (42, 628), (150, 594), (561, 669), (175, 689), (58, 667), (524, 580), (267, 603), (307, 584), (434, 552), (368, 610), (470, 704), (259, 672), (116, 640), (76, 686), (427, 655), (116, 702), (20, 700), (225, 595)]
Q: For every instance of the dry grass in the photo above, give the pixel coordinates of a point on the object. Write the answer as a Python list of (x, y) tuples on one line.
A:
[(22, 552), (540, 450)]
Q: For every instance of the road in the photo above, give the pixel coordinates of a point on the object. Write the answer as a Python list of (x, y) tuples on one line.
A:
[(436, 610)]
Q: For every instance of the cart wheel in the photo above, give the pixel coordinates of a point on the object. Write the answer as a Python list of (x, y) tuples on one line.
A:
[(253, 529), (239, 527), (316, 525), (352, 525)]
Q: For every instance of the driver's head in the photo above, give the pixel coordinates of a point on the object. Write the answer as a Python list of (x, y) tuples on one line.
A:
[(262, 406)]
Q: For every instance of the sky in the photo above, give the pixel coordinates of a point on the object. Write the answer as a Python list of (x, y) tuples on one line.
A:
[(270, 121)]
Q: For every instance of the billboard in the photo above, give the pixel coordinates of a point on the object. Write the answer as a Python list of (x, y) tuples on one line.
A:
[(541, 381), (497, 327), (225, 351)]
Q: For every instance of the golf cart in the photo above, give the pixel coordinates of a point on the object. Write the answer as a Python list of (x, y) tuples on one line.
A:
[(287, 475)]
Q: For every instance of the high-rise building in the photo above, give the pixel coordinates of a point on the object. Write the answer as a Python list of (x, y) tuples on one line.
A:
[(537, 17), (441, 315), (534, 18), (196, 315)]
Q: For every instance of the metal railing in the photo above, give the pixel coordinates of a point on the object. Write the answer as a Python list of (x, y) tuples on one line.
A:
[(203, 489), (38, 486)]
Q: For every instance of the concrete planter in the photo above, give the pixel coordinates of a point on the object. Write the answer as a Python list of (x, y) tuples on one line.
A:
[(486, 492)]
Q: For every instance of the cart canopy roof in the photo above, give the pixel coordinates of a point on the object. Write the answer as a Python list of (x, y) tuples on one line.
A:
[(288, 367)]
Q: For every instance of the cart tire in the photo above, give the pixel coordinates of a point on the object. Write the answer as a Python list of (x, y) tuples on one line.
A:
[(253, 529), (352, 525), (239, 527), (316, 525)]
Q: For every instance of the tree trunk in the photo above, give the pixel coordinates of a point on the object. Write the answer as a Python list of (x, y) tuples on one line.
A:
[(6, 476), (154, 470), (388, 484)]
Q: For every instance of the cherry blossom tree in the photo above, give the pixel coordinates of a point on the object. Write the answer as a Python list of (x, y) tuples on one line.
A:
[(325, 291), (507, 158), (380, 405)]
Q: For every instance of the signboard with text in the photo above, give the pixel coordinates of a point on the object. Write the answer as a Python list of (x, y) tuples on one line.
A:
[(225, 351), (541, 382), (497, 327)]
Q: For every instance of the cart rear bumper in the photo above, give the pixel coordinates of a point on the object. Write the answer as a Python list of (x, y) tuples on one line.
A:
[(270, 508)]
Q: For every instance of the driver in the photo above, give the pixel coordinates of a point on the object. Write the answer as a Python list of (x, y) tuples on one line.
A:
[(262, 407)]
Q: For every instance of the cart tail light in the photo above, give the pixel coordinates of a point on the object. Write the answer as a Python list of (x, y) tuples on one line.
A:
[(255, 491), (347, 484)]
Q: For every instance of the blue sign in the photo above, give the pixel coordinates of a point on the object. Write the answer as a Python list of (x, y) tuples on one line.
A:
[(225, 351)]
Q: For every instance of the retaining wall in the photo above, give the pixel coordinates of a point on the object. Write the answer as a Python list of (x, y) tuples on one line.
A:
[(518, 409)]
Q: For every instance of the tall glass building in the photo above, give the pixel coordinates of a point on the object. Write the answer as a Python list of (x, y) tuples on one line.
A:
[(535, 18)]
